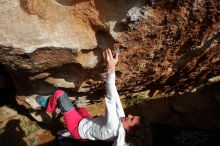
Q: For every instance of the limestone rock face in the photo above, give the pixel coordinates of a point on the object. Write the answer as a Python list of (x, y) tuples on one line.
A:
[(166, 47), (174, 48), (30, 25), (41, 36)]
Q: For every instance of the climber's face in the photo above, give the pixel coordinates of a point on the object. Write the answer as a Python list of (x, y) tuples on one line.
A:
[(130, 121)]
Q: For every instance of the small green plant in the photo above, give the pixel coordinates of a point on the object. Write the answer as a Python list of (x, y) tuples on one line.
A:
[(31, 140), (134, 100), (32, 128), (29, 127)]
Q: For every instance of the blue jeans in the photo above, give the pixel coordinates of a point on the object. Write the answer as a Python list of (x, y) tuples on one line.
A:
[(64, 103)]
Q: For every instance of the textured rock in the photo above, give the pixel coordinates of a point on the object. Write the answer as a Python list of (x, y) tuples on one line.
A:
[(43, 23), (167, 47), (49, 34), (175, 47)]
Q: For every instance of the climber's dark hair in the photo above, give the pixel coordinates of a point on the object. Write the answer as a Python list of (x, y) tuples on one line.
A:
[(139, 135)]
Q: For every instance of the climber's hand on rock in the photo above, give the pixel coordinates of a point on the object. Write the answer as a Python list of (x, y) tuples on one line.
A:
[(110, 60)]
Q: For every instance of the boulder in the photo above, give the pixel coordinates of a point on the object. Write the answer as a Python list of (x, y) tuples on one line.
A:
[(167, 47)]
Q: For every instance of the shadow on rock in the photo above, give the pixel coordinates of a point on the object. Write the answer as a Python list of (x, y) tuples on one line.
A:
[(13, 134), (191, 119)]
